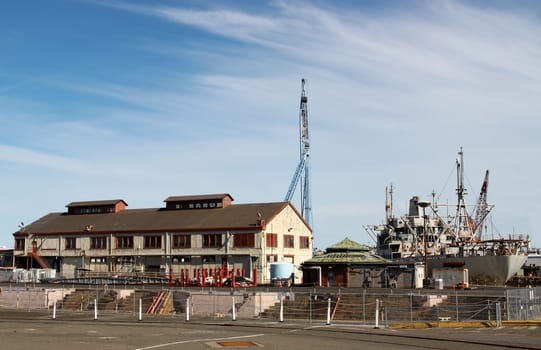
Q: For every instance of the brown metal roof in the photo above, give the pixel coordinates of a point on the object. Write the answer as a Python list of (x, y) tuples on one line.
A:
[(238, 216), (197, 197), (95, 203)]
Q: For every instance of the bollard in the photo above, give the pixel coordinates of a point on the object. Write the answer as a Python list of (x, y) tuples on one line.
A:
[(498, 316), (281, 309), (187, 309), (54, 308), (328, 311), (234, 310), (140, 309), (377, 314)]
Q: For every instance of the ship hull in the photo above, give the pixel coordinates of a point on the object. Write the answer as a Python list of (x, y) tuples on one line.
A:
[(483, 270)]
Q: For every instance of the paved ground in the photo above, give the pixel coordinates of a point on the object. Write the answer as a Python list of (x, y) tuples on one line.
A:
[(37, 330)]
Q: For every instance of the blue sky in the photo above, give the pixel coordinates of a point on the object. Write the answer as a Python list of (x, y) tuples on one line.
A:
[(141, 100)]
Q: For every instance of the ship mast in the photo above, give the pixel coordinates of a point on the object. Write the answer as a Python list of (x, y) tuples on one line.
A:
[(464, 222), (389, 203)]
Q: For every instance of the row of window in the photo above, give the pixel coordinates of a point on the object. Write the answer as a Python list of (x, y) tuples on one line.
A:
[(289, 241), (184, 241), (198, 205), (210, 259), (93, 210)]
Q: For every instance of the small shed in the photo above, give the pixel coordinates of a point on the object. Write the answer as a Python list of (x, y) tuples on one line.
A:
[(346, 264)]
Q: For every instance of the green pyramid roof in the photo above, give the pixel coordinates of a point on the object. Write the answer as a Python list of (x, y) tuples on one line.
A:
[(347, 245), (347, 252)]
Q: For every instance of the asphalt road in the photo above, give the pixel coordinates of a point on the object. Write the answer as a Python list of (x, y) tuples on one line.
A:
[(37, 330)]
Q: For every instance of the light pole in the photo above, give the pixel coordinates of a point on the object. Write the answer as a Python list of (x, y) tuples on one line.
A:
[(424, 205)]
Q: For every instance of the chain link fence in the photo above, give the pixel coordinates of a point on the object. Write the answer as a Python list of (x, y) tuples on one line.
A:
[(524, 303), (361, 307)]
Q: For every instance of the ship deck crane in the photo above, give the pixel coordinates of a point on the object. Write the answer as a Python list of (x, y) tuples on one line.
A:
[(303, 168), (482, 209)]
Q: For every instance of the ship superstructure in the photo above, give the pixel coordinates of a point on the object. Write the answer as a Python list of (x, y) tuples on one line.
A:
[(454, 240)]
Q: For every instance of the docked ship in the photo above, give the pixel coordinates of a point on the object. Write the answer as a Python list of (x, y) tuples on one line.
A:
[(453, 240)]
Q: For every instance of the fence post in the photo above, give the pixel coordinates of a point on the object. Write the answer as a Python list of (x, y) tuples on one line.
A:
[(386, 317), (95, 309), (54, 308), (281, 308), (234, 311), (498, 316), (328, 312), (411, 307), (187, 309), (377, 314), (140, 309), (456, 306), (364, 306), (310, 305)]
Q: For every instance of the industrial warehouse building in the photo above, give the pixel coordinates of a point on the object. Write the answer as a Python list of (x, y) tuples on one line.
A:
[(189, 237)]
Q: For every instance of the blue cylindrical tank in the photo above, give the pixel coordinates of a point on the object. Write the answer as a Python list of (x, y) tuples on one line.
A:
[(281, 270)]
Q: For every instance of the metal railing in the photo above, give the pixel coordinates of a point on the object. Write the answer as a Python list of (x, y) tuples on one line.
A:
[(361, 307)]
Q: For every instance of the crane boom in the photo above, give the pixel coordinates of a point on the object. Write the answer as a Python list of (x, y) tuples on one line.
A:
[(481, 209), (295, 180), (304, 161)]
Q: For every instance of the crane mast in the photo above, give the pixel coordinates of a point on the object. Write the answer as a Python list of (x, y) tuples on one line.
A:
[(303, 168)]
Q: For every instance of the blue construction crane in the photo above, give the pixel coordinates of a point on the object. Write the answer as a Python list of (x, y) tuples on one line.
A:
[(304, 162)]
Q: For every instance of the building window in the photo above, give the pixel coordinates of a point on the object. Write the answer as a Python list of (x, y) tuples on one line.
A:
[(124, 242), (289, 241), (153, 242), (244, 240), (304, 242), (182, 241), (98, 242), (272, 240), (19, 244), (70, 243), (272, 258), (212, 241)]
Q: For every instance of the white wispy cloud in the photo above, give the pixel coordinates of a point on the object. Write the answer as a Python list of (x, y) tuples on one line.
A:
[(392, 95), (31, 157)]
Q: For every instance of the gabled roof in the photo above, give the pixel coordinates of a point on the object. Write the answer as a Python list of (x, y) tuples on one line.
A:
[(233, 217)]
